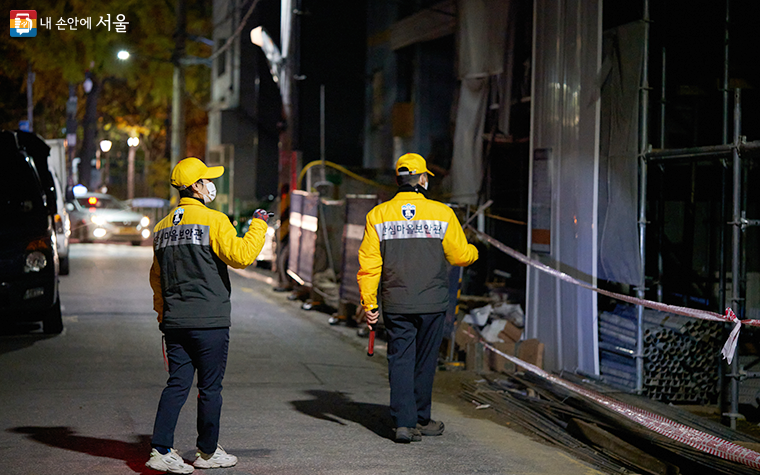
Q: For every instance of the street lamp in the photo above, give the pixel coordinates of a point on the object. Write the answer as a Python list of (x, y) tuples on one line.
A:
[(260, 38), (133, 142), (282, 68), (179, 60), (178, 91), (105, 146)]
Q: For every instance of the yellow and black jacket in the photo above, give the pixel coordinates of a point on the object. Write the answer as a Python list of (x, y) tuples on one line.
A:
[(407, 244), (192, 248)]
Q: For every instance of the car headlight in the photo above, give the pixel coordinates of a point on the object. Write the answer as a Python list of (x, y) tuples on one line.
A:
[(99, 220), (35, 262), (145, 221)]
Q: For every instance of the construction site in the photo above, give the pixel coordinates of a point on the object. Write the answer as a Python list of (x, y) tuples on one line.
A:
[(601, 157)]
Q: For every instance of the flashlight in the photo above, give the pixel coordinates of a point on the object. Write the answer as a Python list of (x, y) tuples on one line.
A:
[(371, 346)]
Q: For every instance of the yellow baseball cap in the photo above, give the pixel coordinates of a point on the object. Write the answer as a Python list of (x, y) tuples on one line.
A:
[(190, 170), (413, 163)]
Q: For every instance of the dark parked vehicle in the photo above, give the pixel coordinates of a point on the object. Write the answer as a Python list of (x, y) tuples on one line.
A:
[(34, 146), (28, 253)]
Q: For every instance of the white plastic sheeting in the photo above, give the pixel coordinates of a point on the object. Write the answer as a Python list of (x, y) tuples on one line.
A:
[(482, 37), (619, 259), (565, 127), (485, 49), (467, 160)]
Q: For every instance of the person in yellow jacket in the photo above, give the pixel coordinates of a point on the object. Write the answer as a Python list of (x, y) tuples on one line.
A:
[(408, 245), (192, 248)]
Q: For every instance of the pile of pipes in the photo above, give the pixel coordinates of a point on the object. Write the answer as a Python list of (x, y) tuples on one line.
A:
[(598, 436), (681, 354)]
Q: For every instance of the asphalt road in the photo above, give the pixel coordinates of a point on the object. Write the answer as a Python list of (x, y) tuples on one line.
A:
[(300, 397)]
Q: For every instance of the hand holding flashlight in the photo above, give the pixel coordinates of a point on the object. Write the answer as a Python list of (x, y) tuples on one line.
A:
[(372, 317)]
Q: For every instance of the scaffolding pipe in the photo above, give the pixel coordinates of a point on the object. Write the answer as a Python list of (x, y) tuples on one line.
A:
[(643, 145), (722, 214), (725, 75), (662, 100), (661, 188), (322, 130), (736, 249), (705, 152)]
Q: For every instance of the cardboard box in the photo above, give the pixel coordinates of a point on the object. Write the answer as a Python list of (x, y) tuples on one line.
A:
[(510, 333), (497, 362), (462, 338), (532, 351)]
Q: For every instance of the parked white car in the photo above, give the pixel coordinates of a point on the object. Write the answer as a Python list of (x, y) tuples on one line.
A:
[(98, 217)]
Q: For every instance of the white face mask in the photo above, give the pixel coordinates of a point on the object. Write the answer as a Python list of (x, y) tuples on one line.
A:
[(211, 188), (425, 185)]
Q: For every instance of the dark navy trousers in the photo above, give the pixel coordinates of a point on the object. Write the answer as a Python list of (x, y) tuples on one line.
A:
[(188, 350), (413, 344)]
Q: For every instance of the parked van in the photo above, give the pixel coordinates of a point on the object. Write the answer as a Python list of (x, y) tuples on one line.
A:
[(28, 242), (34, 146)]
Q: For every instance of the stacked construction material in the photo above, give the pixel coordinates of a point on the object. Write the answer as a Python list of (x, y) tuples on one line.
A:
[(590, 429), (681, 354)]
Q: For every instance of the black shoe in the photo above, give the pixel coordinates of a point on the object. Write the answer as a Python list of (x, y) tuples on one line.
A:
[(431, 428), (404, 435), (334, 320)]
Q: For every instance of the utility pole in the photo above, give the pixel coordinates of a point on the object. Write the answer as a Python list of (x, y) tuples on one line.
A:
[(71, 138), (133, 142), (87, 152), (178, 89)]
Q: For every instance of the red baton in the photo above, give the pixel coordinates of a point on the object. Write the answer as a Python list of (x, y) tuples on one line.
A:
[(371, 347)]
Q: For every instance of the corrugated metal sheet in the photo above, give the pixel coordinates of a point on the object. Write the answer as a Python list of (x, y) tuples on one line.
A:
[(565, 121)]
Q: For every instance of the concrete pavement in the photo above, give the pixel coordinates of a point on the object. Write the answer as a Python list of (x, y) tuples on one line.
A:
[(474, 442), (300, 396)]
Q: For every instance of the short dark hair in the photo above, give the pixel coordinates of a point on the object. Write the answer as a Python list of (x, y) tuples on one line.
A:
[(408, 179), (187, 192)]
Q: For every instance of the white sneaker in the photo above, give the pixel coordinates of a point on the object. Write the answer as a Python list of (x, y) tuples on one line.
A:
[(171, 462), (218, 459)]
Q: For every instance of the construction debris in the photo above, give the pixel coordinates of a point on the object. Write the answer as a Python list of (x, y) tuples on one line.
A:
[(600, 437), (680, 354)]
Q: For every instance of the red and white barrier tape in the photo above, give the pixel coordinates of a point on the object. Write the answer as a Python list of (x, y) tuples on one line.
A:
[(666, 427), (730, 345)]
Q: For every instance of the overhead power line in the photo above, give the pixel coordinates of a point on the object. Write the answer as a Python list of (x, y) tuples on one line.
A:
[(239, 30)]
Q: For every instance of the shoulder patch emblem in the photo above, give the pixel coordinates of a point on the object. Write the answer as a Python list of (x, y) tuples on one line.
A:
[(178, 213), (408, 210)]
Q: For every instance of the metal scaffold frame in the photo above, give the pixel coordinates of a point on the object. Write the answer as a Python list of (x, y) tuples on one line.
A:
[(733, 152)]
